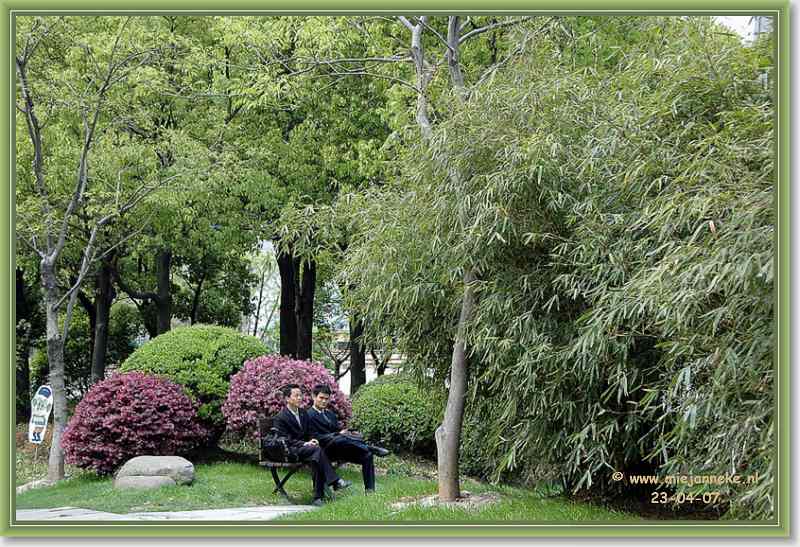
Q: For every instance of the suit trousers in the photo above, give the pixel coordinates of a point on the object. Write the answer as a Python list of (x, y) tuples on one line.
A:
[(321, 469), (342, 448)]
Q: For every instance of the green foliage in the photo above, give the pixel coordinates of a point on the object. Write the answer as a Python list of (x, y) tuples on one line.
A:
[(610, 183), (617, 208), (124, 327), (202, 358), (395, 411)]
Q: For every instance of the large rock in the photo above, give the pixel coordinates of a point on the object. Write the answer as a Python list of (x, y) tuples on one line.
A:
[(143, 482), (180, 470)]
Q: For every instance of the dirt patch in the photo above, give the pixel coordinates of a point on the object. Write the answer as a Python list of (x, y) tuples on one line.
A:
[(22, 444), (467, 501)]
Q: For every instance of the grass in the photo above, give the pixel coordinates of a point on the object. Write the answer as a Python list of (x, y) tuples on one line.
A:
[(224, 484), (31, 460), (515, 505)]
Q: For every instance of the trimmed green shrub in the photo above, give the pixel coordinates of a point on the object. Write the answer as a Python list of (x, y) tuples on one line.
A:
[(395, 412), (202, 358)]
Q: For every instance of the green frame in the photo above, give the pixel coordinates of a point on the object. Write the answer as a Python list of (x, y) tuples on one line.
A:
[(777, 528)]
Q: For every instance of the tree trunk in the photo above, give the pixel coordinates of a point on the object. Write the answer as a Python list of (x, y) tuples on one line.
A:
[(164, 300), (304, 306), (196, 300), (23, 373), (358, 367), (104, 298), (423, 78), (448, 434), (55, 358), (91, 310), (288, 322), (382, 361), (260, 298)]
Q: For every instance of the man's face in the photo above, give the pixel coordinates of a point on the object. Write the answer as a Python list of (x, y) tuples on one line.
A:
[(295, 398), (321, 400)]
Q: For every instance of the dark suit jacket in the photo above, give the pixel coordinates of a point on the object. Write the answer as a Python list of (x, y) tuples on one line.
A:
[(323, 426), (287, 426)]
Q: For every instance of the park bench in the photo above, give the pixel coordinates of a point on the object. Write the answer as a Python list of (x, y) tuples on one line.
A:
[(264, 426)]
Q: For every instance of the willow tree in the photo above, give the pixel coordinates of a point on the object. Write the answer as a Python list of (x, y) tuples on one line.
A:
[(619, 197), (412, 68)]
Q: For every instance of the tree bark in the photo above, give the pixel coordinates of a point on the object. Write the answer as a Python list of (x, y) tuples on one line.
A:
[(196, 300), (448, 434), (89, 307), (161, 299), (423, 77), (104, 298), (288, 322), (164, 300), (55, 357), (358, 365), (382, 361), (260, 298), (304, 306)]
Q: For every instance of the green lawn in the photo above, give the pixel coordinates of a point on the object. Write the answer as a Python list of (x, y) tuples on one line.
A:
[(515, 504), (229, 484)]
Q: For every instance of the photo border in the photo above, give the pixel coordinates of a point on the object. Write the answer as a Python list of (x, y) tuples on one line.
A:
[(779, 527)]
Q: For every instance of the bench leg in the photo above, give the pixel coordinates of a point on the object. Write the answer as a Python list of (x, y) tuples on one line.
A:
[(279, 483), (288, 476)]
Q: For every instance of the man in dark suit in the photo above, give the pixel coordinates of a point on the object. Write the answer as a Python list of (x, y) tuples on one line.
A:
[(292, 424), (338, 442)]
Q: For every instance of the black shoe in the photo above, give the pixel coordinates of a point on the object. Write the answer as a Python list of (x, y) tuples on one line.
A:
[(378, 451), (341, 484), (318, 502)]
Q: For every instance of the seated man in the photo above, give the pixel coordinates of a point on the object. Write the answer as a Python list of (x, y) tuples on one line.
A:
[(292, 424), (339, 443)]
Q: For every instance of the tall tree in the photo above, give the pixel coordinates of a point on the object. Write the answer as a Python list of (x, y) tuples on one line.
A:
[(73, 97), (448, 434)]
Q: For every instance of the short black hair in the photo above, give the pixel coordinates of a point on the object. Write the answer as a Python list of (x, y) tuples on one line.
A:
[(287, 389), (321, 388)]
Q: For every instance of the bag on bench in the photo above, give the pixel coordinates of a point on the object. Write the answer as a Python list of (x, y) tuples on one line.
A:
[(276, 449)]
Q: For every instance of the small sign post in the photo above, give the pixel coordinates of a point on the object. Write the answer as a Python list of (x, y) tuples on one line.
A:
[(41, 405)]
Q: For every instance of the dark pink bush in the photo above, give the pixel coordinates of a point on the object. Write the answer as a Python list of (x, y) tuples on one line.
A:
[(255, 391), (127, 415)]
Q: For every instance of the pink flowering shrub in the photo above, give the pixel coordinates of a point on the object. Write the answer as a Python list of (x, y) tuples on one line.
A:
[(255, 391), (127, 415)]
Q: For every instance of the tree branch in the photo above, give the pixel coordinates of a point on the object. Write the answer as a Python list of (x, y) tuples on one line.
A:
[(32, 245), (376, 75), (481, 30), (441, 38), (341, 375), (132, 293), (406, 22), (34, 132)]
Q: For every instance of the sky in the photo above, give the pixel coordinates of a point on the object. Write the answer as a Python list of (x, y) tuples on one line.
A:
[(738, 23)]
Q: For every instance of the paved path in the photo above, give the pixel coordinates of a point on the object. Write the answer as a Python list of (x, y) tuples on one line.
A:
[(268, 512)]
